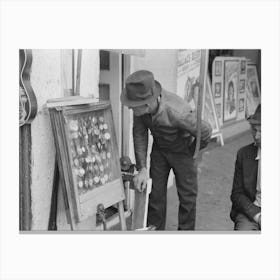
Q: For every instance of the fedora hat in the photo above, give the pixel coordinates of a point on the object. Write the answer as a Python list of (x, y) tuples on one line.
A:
[(140, 88), (256, 117)]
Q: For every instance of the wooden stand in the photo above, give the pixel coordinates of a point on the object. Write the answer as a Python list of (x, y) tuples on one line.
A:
[(53, 209), (92, 152)]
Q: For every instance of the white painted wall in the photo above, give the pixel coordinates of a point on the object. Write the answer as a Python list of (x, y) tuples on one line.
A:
[(46, 82)]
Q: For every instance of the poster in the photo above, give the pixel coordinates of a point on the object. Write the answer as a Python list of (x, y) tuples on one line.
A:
[(188, 85), (253, 81), (231, 82), (209, 112), (253, 92), (188, 69), (219, 110), (241, 105), (218, 90)]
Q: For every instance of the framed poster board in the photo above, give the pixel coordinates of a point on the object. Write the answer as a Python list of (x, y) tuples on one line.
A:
[(188, 69), (209, 111), (231, 82), (253, 90), (188, 83), (233, 78), (87, 153)]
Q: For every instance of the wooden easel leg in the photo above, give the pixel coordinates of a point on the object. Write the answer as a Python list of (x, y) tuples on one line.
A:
[(121, 215), (53, 210), (221, 139)]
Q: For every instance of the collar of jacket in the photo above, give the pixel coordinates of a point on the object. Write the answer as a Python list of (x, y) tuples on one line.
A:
[(160, 105)]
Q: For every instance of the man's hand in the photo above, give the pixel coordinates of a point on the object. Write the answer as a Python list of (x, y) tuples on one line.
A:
[(140, 180)]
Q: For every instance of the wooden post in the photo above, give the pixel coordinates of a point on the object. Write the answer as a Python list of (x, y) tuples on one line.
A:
[(78, 77), (202, 89), (25, 213)]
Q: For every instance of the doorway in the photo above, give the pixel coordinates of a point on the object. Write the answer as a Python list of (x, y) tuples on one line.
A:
[(114, 68)]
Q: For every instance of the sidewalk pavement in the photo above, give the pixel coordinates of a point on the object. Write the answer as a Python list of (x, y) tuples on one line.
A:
[(215, 175)]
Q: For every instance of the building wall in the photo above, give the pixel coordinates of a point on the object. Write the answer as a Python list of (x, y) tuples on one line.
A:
[(162, 62), (47, 83)]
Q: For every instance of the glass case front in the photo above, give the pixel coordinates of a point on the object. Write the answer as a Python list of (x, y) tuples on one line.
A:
[(91, 148)]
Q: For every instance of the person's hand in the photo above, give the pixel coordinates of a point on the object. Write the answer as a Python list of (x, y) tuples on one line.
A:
[(140, 180)]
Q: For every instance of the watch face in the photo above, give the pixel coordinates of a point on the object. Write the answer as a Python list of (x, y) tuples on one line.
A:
[(91, 150)]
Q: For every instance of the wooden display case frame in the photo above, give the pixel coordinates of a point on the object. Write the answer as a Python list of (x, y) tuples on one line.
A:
[(81, 206)]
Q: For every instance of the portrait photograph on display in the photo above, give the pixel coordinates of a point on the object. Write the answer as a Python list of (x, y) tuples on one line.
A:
[(243, 67), (218, 90), (218, 110), (231, 89), (242, 86), (218, 68), (241, 104)]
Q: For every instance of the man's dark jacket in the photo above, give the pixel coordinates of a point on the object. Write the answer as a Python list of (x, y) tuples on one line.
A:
[(245, 182)]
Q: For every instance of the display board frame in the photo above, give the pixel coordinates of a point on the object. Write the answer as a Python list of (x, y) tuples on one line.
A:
[(219, 88), (82, 199), (253, 92), (189, 62)]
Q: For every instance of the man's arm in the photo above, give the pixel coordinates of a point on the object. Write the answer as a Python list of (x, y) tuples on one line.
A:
[(140, 139), (239, 199), (186, 120)]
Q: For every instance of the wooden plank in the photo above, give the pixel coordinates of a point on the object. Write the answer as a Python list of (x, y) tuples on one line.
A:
[(78, 77), (121, 215), (68, 209), (140, 211), (25, 144), (70, 101)]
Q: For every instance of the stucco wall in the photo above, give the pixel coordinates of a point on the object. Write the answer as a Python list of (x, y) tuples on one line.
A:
[(46, 82), (163, 64)]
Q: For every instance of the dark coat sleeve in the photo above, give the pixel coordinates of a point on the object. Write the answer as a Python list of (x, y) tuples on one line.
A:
[(240, 201), (186, 120), (140, 140)]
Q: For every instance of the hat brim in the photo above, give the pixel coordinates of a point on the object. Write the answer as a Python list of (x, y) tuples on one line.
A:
[(133, 103)]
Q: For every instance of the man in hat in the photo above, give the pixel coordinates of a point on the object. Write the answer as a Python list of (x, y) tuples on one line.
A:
[(173, 126), (246, 190)]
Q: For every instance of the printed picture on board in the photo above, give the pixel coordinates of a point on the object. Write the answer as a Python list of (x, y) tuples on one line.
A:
[(253, 82), (188, 67), (242, 86), (243, 67), (254, 89), (218, 90), (218, 68), (230, 108), (191, 91), (218, 110), (241, 104), (209, 112), (231, 89)]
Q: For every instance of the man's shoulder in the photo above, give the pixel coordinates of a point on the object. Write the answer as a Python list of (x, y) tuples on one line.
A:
[(173, 102), (248, 150)]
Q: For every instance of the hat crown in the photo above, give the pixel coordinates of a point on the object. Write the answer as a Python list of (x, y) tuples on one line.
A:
[(139, 85)]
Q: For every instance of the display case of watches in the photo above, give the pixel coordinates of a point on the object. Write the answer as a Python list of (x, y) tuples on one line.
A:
[(87, 154)]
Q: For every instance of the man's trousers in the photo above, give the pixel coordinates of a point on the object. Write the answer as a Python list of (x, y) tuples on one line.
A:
[(185, 171)]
